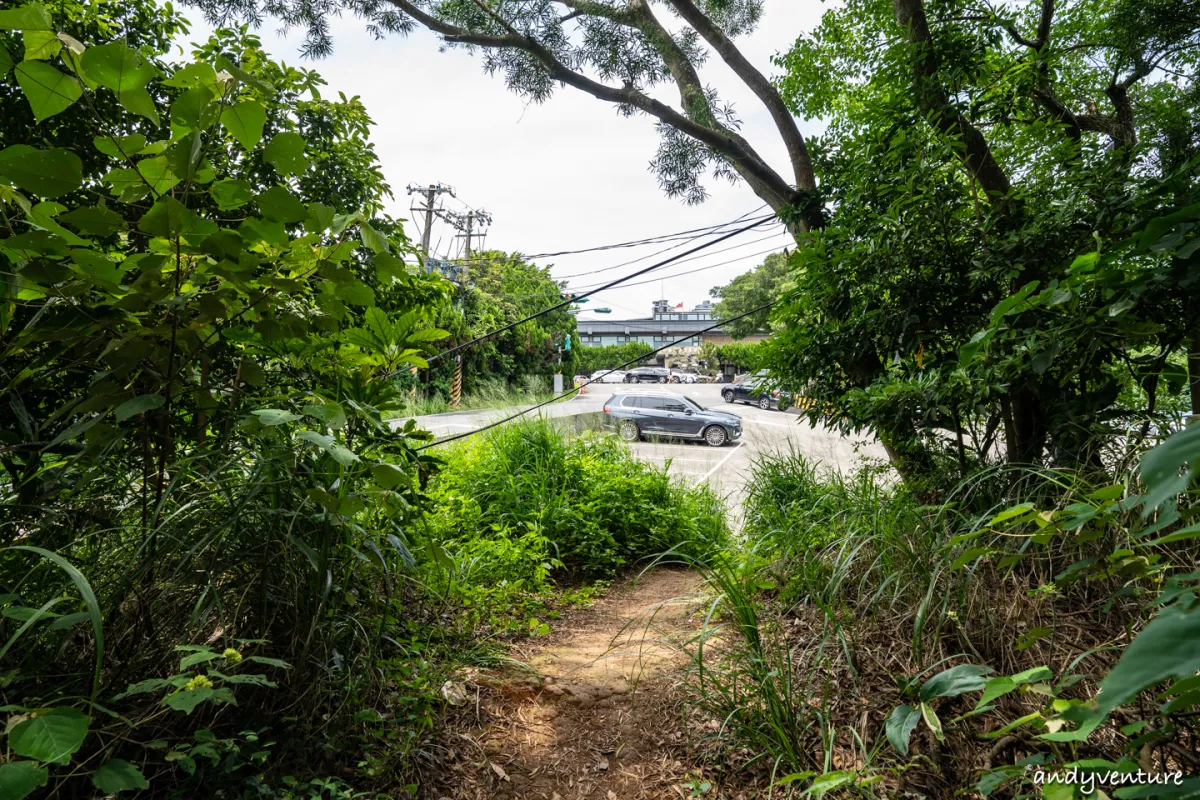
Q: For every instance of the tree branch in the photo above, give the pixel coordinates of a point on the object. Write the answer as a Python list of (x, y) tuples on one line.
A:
[(775, 190), (932, 98), (758, 83)]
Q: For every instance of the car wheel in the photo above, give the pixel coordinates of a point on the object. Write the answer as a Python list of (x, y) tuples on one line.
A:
[(727, 396), (629, 430), (662, 380), (764, 403), (715, 435)]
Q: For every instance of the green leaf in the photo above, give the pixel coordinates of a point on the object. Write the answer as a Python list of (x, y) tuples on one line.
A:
[(139, 405), (1161, 467), (48, 91), (389, 476), (428, 335), (340, 454), (286, 153), (51, 737), (144, 687), (41, 45), (274, 416), (186, 700), (6, 61), (828, 782), (1168, 647), (955, 681), (31, 17), (996, 687), (47, 173), (373, 239), (332, 414), (231, 194), (120, 146), (93, 220), (1011, 513), (19, 778), (280, 205), (198, 657), (70, 620), (356, 293), (158, 174), (931, 719), (168, 218), (900, 726), (117, 66), (119, 776), (244, 122)]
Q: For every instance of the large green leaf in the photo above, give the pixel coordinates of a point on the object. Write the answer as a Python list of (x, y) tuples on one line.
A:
[(1167, 647), (47, 90), (955, 681), (275, 416), (52, 737), (47, 173), (900, 726), (6, 61), (168, 218), (286, 153), (93, 220), (19, 778), (280, 205), (231, 194), (31, 17), (139, 405), (1163, 468), (119, 775), (41, 45), (244, 122), (340, 454), (186, 700), (117, 66)]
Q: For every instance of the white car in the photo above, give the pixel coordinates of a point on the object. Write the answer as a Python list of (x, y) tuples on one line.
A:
[(607, 376)]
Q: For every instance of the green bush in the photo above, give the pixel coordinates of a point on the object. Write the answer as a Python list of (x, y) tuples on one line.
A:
[(597, 508)]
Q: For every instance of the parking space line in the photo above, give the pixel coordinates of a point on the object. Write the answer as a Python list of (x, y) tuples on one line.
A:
[(722, 463), (764, 422)]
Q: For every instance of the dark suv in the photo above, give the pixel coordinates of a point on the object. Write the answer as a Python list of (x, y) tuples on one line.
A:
[(648, 375), (669, 414), (757, 390)]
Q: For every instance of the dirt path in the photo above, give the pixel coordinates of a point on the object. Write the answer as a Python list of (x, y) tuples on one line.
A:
[(597, 717)]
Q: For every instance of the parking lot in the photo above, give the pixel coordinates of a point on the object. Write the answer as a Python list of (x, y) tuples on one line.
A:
[(724, 468), (727, 468)]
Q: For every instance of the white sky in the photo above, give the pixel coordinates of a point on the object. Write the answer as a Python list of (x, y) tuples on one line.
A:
[(565, 175)]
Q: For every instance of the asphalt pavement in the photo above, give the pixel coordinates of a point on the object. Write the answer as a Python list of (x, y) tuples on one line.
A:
[(724, 468)]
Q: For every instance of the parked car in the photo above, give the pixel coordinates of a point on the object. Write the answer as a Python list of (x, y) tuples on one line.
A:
[(648, 375), (757, 390), (607, 376), (669, 414), (679, 376)]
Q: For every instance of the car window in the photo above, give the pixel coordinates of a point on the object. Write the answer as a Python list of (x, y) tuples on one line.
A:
[(695, 405), (631, 402), (673, 405)]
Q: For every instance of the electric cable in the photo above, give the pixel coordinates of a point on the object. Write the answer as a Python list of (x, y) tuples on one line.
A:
[(577, 298), (576, 389)]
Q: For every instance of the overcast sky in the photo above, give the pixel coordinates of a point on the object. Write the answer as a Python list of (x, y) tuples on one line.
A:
[(565, 175)]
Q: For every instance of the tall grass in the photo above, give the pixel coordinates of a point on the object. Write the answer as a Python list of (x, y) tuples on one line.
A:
[(848, 588)]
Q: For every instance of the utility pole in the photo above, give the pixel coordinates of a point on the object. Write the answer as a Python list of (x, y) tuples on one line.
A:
[(466, 224), (430, 192)]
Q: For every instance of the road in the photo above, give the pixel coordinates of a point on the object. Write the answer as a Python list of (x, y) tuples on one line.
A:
[(724, 468)]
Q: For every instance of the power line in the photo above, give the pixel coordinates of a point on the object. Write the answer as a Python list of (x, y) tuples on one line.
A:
[(642, 258), (575, 390), (702, 269), (706, 255), (608, 285), (666, 237)]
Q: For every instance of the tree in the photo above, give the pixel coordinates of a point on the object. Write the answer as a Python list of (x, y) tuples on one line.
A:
[(940, 232), (748, 291), (616, 52)]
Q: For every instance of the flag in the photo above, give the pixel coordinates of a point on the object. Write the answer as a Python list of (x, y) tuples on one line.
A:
[(679, 306)]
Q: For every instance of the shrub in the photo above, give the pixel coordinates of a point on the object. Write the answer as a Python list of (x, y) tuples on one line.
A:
[(596, 507)]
